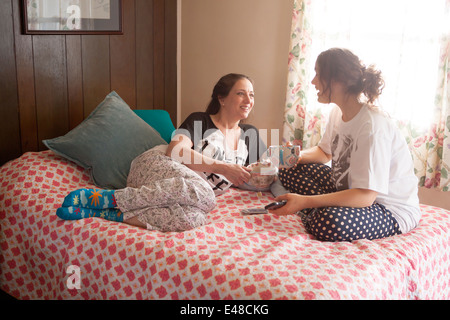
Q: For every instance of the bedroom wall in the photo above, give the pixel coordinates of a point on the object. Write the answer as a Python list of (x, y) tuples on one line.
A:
[(434, 198), (50, 83), (250, 37)]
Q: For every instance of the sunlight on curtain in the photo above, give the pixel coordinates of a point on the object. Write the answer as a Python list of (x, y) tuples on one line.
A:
[(408, 40)]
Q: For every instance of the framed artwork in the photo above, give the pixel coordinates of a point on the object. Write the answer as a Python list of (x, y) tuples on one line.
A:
[(72, 16)]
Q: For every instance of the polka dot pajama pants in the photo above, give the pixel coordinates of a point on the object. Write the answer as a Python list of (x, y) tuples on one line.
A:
[(336, 223)]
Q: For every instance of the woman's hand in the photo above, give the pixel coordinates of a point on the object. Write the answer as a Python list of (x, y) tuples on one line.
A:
[(295, 202), (180, 149), (235, 173), (357, 198)]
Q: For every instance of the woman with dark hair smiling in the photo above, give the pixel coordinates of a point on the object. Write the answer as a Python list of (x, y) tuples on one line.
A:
[(215, 143), (370, 191)]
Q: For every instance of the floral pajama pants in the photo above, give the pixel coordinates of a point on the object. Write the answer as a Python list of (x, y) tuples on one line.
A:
[(336, 223), (165, 194)]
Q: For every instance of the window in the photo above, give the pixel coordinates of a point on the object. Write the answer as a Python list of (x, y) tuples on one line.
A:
[(402, 38)]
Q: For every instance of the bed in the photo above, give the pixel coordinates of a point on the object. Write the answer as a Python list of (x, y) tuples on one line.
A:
[(257, 257), (231, 257)]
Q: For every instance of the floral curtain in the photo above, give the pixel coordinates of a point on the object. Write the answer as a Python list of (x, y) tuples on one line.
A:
[(301, 127), (305, 120), (431, 149)]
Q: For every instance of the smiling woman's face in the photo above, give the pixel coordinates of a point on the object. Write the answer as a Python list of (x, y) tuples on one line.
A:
[(240, 100), (329, 94), (322, 97)]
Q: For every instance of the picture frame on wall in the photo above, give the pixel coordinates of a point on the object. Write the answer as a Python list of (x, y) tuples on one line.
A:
[(72, 16)]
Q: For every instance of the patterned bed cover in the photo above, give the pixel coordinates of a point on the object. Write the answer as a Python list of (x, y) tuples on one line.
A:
[(231, 257)]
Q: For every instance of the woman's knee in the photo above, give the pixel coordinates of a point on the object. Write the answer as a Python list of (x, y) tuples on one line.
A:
[(348, 224), (322, 225), (307, 179), (334, 224), (200, 194), (173, 218)]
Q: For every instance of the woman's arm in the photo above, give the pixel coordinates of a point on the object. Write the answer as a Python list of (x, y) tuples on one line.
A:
[(180, 149), (314, 155), (357, 198)]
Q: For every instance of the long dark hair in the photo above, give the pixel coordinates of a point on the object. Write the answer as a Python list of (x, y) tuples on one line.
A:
[(222, 89), (342, 65)]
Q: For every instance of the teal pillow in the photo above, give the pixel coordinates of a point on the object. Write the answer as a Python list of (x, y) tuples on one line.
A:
[(107, 141), (159, 120)]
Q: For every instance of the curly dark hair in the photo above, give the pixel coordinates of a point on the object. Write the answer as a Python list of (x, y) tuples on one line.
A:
[(342, 65)]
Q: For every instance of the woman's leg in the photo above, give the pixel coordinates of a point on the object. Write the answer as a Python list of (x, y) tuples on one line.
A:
[(174, 204), (348, 224), (174, 218), (336, 223), (90, 198), (308, 179), (76, 213), (158, 186), (164, 195), (192, 192), (90, 203)]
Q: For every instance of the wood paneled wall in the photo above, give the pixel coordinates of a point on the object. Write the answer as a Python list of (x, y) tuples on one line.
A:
[(50, 83)]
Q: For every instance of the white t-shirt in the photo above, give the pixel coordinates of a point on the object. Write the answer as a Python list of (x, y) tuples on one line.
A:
[(369, 152)]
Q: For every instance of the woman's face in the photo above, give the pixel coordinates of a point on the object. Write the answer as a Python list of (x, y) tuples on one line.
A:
[(332, 94), (240, 100), (322, 97)]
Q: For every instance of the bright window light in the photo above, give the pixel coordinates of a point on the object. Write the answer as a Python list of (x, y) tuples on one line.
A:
[(402, 38)]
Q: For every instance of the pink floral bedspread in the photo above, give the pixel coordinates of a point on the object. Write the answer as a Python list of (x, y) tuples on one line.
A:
[(232, 257)]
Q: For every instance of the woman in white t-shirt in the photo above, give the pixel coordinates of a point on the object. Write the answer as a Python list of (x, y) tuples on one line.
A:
[(370, 190)]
